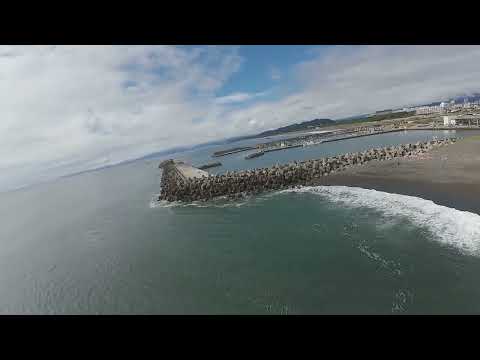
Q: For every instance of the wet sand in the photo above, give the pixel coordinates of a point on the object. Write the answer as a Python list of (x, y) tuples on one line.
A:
[(449, 176)]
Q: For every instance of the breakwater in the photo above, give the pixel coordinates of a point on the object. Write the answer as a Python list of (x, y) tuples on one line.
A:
[(232, 151), (210, 165), (240, 183), (299, 141), (292, 141)]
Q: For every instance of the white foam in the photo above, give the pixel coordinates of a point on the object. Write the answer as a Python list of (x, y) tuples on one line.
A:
[(449, 226), (219, 202)]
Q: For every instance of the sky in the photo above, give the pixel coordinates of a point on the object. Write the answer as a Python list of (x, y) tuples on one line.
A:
[(65, 109)]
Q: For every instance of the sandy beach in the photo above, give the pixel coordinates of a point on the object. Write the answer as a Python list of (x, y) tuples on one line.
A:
[(449, 176)]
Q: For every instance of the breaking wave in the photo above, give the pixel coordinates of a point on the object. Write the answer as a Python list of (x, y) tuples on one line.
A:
[(452, 227), (220, 202)]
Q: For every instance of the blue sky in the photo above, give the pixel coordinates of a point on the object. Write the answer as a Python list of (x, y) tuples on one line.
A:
[(66, 109), (268, 67)]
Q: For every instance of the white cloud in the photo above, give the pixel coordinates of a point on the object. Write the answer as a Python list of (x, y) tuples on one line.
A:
[(237, 98), (63, 108), (69, 108), (362, 79), (349, 80)]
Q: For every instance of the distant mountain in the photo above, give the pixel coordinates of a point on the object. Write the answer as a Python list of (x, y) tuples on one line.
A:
[(377, 117), (306, 125), (354, 117)]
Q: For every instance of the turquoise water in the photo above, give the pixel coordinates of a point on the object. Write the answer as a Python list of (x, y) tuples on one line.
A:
[(98, 243)]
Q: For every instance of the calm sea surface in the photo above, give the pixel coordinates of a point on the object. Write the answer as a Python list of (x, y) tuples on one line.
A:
[(99, 243)]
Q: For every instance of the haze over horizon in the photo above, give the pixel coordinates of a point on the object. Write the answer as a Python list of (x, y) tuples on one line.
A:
[(66, 109)]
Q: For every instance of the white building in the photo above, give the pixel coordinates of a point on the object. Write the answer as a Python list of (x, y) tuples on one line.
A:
[(426, 110), (449, 121)]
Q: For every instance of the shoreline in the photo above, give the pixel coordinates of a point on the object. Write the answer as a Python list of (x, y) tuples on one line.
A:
[(238, 184), (448, 176), (327, 137)]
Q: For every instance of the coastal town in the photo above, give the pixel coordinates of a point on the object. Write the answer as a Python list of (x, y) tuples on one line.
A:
[(446, 116), (184, 182)]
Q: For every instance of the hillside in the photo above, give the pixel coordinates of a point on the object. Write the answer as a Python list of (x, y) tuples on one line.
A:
[(306, 125), (379, 117)]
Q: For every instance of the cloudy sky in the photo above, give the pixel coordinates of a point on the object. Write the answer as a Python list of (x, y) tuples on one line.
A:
[(65, 109)]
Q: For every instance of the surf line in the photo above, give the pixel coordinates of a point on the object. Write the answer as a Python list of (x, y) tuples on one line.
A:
[(449, 226)]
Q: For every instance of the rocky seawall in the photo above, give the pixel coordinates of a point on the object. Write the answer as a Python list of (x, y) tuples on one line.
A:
[(175, 187)]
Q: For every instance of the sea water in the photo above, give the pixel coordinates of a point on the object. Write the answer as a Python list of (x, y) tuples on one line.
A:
[(100, 243)]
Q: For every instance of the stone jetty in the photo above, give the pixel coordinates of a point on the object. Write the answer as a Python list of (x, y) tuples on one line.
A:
[(254, 155), (210, 165), (232, 151), (202, 186)]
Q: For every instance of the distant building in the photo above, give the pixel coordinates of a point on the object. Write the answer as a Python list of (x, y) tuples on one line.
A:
[(449, 121), (468, 120), (426, 110)]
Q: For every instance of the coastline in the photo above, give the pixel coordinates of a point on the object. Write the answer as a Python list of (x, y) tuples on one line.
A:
[(448, 176), (240, 183), (329, 136)]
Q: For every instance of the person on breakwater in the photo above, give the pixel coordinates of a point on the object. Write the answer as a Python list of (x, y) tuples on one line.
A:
[(241, 183)]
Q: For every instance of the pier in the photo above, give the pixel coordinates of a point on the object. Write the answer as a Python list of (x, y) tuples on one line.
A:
[(189, 172), (176, 173), (182, 182), (181, 169), (232, 151)]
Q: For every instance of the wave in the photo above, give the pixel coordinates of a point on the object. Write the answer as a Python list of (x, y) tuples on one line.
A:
[(452, 227), (220, 202)]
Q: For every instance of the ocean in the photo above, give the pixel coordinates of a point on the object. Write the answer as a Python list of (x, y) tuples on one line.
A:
[(100, 243)]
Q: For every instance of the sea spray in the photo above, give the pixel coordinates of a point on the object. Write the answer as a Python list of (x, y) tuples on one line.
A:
[(452, 227)]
